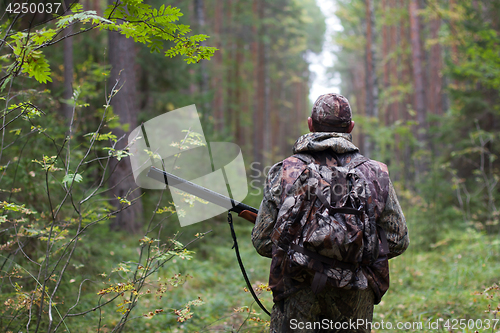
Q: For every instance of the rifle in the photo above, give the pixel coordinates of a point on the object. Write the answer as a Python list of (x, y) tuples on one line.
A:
[(245, 211)]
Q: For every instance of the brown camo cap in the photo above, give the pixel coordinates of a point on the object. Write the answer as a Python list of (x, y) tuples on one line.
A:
[(331, 110)]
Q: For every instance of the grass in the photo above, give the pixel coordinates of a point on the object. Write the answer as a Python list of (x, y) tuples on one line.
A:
[(443, 285), (427, 286), (213, 275)]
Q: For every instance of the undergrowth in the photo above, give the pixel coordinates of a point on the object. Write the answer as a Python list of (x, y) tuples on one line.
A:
[(445, 283)]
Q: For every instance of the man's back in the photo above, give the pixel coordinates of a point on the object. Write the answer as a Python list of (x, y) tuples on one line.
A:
[(295, 303)]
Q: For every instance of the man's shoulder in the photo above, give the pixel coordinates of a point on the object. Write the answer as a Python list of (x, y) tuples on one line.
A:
[(288, 163), (298, 159), (377, 175), (382, 166), (375, 166), (378, 166)]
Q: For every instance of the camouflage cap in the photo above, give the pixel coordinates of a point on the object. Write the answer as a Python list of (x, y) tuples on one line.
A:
[(331, 112)]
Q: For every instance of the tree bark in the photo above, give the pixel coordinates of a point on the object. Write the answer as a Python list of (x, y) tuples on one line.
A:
[(259, 89), (371, 101), (217, 82), (266, 82), (122, 56), (435, 84), (298, 107), (454, 45), (230, 67), (385, 60), (405, 79), (397, 103), (358, 74), (393, 68), (418, 74), (199, 11), (238, 72), (283, 112)]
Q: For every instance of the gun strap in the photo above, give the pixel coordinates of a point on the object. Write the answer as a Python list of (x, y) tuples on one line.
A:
[(243, 271)]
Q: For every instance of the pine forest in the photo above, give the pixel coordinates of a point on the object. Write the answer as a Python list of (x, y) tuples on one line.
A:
[(86, 247)]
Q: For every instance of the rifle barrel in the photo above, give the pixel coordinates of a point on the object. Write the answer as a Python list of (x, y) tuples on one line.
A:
[(199, 191)]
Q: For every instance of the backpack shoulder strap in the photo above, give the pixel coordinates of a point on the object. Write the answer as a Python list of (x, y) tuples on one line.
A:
[(293, 167), (356, 162), (306, 158)]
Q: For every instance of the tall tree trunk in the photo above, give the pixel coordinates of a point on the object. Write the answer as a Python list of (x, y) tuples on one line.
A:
[(238, 81), (371, 101), (259, 89), (418, 74), (199, 11), (274, 119), (454, 41), (393, 108), (298, 117), (359, 93), (218, 102), (230, 36), (122, 56), (385, 60), (266, 82), (396, 80), (435, 82), (406, 78), (283, 112)]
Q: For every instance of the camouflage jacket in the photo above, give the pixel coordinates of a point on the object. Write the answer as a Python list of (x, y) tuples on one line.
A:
[(385, 206)]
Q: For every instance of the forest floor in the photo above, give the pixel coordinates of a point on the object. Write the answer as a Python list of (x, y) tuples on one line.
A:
[(433, 290)]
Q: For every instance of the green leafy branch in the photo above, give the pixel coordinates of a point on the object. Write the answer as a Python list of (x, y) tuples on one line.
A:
[(132, 18)]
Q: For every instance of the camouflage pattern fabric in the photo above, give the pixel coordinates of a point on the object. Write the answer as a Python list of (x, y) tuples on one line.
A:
[(331, 111), (339, 143), (392, 219), (387, 212), (335, 310), (342, 247)]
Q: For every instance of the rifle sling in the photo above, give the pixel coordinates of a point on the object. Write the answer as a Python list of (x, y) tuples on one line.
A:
[(240, 262)]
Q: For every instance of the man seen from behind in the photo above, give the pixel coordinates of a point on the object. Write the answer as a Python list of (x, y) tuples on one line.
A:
[(341, 293)]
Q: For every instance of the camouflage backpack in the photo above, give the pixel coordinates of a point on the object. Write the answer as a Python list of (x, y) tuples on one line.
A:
[(323, 226)]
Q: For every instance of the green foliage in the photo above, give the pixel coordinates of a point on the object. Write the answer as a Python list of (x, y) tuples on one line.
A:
[(443, 284), (134, 19), (54, 193), (70, 178), (452, 177), (151, 27)]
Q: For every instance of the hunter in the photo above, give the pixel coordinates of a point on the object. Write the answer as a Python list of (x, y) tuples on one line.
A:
[(342, 305)]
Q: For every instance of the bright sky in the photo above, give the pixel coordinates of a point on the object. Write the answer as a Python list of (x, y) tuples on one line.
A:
[(319, 63)]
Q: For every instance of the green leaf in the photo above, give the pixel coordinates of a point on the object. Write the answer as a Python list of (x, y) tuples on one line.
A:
[(70, 177)]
